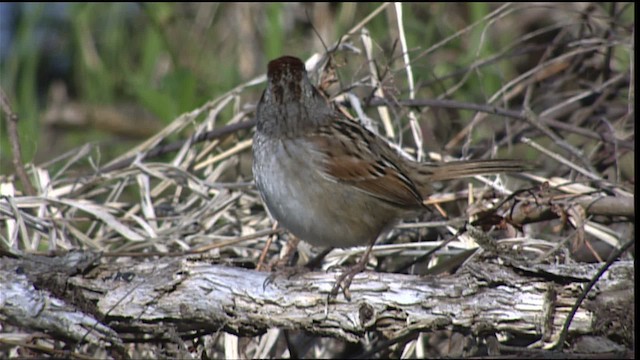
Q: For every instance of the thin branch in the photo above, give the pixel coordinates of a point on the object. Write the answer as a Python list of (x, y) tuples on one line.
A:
[(162, 149), (491, 109), (12, 127), (587, 288)]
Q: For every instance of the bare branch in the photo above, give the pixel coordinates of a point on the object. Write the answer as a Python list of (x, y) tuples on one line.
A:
[(12, 127)]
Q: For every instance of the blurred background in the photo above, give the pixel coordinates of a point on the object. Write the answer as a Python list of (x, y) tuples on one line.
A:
[(113, 74)]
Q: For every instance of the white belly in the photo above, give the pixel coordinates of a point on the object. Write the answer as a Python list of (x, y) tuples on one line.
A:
[(313, 208)]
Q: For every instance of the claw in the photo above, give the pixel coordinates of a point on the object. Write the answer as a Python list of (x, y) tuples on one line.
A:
[(288, 272), (269, 280), (344, 280)]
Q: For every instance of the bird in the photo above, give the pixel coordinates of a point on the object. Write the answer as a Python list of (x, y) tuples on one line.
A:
[(329, 180)]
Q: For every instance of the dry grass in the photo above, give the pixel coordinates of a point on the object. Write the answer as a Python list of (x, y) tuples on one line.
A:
[(564, 73)]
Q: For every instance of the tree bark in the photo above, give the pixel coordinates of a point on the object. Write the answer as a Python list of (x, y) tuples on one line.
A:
[(85, 298)]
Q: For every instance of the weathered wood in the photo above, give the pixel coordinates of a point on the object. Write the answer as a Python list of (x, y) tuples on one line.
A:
[(140, 299)]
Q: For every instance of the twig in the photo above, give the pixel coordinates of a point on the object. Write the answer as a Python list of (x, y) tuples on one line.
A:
[(12, 128), (428, 254), (526, 213), (587, 288), (491, 109), (359, 25), (164, 149), (561, 159), (413, 120), (450, 104)]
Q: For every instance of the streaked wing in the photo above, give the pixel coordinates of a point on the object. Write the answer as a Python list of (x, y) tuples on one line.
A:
[(350, 154)]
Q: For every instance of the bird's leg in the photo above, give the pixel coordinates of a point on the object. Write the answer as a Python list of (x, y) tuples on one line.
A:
[(289, 256), (286, 265), (344, 280), (261, 265)]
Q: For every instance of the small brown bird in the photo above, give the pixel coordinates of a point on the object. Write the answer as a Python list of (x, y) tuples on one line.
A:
[(329, 180)]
